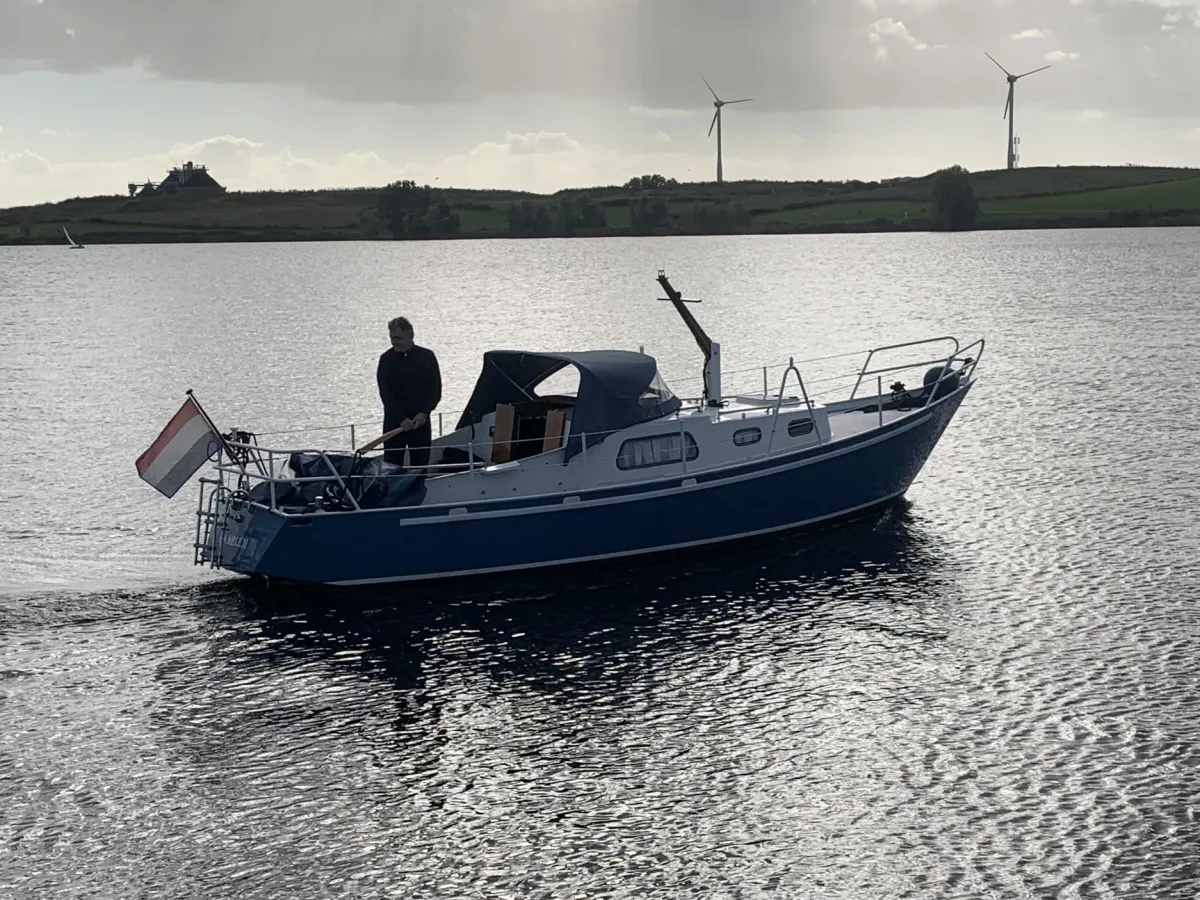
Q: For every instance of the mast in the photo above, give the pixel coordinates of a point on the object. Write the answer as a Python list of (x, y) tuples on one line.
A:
[(710, 348)]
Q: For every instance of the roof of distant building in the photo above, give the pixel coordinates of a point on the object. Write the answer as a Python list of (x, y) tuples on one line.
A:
[(191, 176)]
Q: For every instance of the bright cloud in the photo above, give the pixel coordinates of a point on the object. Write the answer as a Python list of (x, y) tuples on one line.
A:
[(892, 28), (23, 164)]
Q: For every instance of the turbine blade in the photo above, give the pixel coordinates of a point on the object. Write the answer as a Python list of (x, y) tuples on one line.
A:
[(1035, 71), (993, 59), (1007, 104), (747, 100), (709, 86), (714, 122)]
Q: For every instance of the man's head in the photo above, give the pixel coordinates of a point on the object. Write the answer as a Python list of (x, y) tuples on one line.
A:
[(401, 332)]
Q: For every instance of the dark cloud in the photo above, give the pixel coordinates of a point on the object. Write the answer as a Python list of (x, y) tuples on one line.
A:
[(1119, 55)]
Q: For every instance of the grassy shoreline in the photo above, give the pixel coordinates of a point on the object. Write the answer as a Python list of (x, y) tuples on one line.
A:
[(1060, 197)]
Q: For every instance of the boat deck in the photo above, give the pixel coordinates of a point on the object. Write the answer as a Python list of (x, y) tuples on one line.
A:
[(846, 418)]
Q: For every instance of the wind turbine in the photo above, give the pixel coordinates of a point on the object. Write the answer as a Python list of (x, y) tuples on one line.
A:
[(719, 103), (1010, 110)]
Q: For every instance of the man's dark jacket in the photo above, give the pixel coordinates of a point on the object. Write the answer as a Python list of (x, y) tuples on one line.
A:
[(409, 383)]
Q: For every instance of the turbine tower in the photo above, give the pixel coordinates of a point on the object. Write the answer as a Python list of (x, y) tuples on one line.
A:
[(1010, 110), (716, 121)]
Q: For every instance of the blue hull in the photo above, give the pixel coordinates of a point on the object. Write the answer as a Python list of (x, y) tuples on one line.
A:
[(798, 490)]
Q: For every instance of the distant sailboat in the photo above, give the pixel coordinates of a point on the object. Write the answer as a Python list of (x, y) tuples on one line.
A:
[(71, 240)]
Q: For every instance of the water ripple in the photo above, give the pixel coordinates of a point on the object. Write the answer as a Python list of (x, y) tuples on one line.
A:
[(991, 690)]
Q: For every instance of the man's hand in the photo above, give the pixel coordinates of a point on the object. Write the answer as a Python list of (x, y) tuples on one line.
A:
[(419, 420), (407, 425)]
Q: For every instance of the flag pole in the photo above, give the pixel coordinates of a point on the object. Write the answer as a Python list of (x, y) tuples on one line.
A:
[(217, 431)]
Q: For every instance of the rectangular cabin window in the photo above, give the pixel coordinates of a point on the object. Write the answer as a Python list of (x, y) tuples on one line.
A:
[(798, 427), (660, 450), (744, 437)]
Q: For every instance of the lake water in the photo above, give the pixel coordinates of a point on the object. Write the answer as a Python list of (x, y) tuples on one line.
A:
[(992, 690)]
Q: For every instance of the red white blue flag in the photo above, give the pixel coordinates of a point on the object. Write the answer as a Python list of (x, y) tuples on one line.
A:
[(183, 447)]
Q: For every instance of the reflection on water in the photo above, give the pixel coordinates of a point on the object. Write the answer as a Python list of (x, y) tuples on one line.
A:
[(576, 621), (584, 633)]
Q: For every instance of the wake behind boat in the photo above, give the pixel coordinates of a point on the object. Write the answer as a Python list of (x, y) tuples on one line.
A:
[(620, 467)]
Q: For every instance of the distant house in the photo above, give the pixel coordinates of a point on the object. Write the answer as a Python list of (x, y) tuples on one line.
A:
[(189, 180)]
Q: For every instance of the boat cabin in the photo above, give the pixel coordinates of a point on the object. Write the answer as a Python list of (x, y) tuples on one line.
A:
[(508, 419)]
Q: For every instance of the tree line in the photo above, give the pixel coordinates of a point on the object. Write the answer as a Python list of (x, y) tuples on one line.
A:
[(408, 211), (569, 216)]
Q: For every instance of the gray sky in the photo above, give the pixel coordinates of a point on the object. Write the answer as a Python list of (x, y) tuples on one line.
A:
[(543, 94)]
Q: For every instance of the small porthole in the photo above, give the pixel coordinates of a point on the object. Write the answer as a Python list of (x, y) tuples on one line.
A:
[(746, 436), (799, 427)]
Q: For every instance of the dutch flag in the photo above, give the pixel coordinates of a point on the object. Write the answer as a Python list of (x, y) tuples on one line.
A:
[(183, 447)]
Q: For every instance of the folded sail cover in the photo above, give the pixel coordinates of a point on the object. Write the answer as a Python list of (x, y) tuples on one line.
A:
[(182, 448)]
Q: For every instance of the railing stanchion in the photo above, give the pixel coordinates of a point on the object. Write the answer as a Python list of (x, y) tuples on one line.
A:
[(682, 446), (198, 555), (338, 478), (879, 388)]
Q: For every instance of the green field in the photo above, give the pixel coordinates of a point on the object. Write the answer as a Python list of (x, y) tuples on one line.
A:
[(1175, 196), (1181, 195), (850, 212), (1046, 197)]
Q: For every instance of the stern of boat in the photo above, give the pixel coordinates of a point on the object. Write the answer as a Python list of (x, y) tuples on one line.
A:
[(231, 532)]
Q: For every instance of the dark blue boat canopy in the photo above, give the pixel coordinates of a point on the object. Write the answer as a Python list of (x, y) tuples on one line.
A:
[(617, 388)]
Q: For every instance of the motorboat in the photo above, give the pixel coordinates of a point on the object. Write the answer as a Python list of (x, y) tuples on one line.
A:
[(532, 477)]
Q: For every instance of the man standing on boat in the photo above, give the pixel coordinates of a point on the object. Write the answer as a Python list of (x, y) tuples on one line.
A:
[(410, 386)]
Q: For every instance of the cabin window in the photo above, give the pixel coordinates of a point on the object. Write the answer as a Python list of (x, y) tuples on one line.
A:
[(656, 392), (564, 382), (747, 436), (660, 450), (798, 427)]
